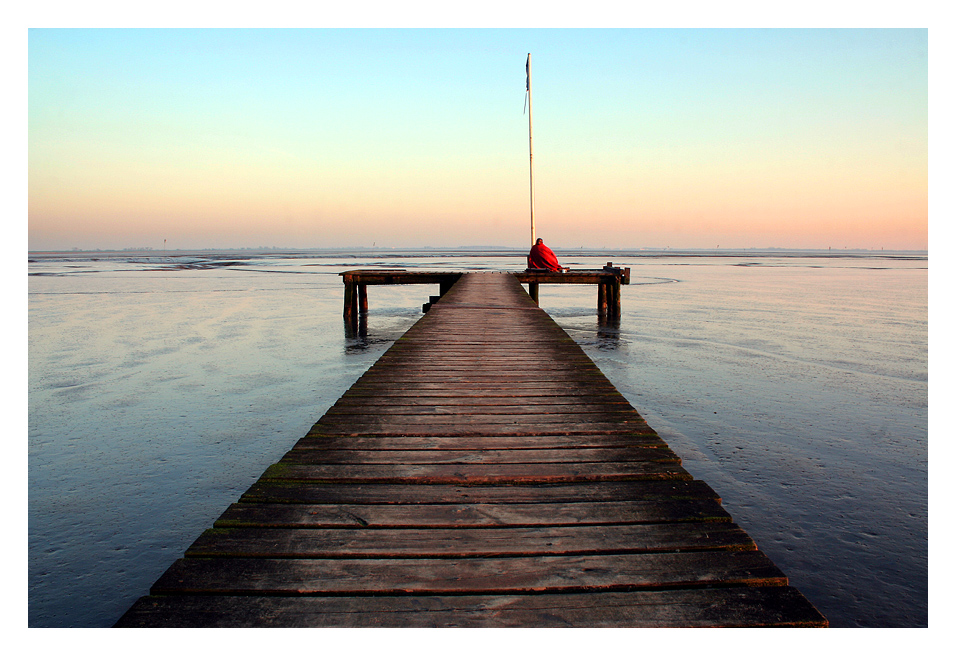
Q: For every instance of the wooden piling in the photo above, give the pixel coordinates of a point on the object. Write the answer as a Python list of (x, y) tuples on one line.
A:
[(350, 298), (363, 298)]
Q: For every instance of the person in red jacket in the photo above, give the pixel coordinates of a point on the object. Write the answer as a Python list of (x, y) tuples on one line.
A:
[(542, 257)]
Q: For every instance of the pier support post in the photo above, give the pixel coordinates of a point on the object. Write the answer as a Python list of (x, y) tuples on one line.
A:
[(350, 299), (602, 299), (614, 297), (533, 292), (363, 299)]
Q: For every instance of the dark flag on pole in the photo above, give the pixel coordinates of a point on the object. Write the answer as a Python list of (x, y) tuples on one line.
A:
[(528, 82)]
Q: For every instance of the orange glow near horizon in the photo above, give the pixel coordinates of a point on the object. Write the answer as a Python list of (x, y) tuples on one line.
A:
[(304, 156)]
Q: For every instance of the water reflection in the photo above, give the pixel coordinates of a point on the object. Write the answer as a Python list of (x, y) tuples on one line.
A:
[(608, 333), (355, 328), (357, 339)]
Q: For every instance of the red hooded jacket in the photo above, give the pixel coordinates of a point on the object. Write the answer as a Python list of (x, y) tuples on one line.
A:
[(542, 257)]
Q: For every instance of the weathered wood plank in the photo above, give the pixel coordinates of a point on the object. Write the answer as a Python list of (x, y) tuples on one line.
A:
[(437, 428), (425, 356), (428, 356), (474, 575), (614, 491), (516, 406), (373, 387), (612, 422), (471, 355), (475, 473), (476, 456), (543, 410), (462, 375), (399, 277), (516, 368), (354, 543), (403, 397), (471, 515), (773, 606), (318, 440), (579, 412), (570, 421)]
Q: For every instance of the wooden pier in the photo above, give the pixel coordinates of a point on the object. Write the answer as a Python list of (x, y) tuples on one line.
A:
[(608, 279), (482, 473)]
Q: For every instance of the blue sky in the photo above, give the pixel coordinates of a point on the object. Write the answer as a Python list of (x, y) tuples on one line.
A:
[(671, 137)]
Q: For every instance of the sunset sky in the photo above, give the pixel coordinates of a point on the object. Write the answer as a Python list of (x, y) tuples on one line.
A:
[(408, 138)]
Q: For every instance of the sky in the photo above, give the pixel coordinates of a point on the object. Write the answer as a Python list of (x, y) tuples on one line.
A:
[(404, 138)]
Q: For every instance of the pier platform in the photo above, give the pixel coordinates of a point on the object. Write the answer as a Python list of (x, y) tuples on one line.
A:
[(608, 280), (482, 473)]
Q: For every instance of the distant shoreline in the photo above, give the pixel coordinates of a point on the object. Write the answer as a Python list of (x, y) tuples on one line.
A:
[(483, 251)]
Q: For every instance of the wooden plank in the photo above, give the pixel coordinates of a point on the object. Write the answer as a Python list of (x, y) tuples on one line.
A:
[(527, 393), (415, 340), (481, 456), (320, 440), (559, 422), (245, 576), (503, 381), (471, 515), (533, 403), (424, 356), (437, 428), (773, 606), (350, 493), (573, 276), (459, 407), (612, 421), (399, 277), (357, 543), (475, 473), (498, 359), (432, 387)]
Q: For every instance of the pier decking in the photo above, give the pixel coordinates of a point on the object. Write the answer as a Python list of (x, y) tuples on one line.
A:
[(608, 279), (482, 473)]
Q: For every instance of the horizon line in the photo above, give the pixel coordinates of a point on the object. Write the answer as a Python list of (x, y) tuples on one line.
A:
[(518, 249)]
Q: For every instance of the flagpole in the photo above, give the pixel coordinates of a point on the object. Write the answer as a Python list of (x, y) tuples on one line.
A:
[(531, 174)]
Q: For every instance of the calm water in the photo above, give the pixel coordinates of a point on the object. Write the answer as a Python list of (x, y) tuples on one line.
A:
[(161, 386)]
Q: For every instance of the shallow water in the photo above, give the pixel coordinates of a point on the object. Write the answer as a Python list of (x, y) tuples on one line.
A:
[(161, 386)]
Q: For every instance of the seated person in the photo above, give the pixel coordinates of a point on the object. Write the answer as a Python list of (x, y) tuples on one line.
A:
[(542, 257)]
